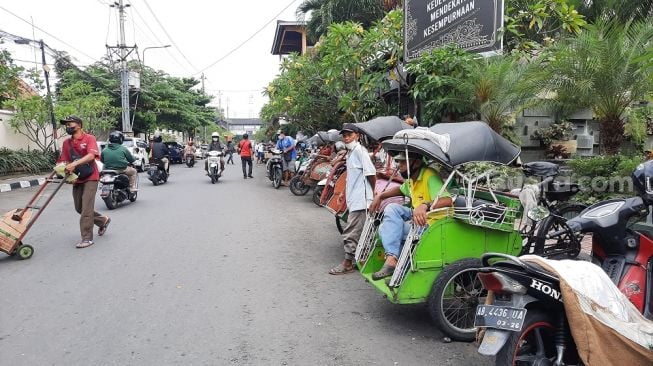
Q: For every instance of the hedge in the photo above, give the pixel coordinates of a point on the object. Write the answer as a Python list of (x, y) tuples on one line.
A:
[(32, 161)]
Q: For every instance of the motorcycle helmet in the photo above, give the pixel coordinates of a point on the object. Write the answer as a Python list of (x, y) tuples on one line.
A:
[(215, 136), (643, 181), (157, 137), (116, 137)]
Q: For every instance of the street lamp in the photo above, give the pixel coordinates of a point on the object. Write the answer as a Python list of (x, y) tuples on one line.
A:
[(46, 73), (147, 48)]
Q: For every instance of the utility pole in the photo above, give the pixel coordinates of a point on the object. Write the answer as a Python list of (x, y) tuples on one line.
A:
[(46, 71), (123, 52), (203, 92)]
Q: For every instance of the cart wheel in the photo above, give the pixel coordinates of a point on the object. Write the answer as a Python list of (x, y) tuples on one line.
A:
[(24, 251), (456, 293)]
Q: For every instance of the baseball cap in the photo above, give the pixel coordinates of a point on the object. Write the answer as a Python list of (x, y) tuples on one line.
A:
[(348, 127), (70, 119)]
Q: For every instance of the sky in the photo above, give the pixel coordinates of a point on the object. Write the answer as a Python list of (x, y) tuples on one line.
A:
[(200, 33)]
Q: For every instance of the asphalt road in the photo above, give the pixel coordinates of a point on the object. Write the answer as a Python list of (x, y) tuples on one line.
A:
[(198, 274)]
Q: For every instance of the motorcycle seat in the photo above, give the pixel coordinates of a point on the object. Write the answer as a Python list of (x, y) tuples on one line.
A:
[(109, 171)]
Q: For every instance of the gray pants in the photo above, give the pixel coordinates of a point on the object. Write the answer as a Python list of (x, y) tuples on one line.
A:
[(84, 199), (352, 232)]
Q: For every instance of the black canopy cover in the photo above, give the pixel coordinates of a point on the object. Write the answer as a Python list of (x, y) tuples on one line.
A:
[(382, 128), (330, 136), (470, 141)]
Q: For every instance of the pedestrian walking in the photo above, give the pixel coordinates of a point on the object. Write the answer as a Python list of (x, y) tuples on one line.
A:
[(230, 151), (359, 192), (79, 153), (245, 149)]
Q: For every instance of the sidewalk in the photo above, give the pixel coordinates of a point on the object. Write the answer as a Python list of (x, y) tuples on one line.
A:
[(17, 181)]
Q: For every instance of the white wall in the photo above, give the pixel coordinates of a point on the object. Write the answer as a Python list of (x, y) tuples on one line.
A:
[(15, 141)]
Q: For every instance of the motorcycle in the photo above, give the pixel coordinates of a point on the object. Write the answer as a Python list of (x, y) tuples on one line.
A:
[(274, 167), (156, 172), (521, 290), (213, 161), (115, 188), (190, 160)]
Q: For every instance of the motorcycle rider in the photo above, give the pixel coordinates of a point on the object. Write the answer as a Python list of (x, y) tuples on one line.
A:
[(117, 157), (189, 150), (159, 152), (215, 145)]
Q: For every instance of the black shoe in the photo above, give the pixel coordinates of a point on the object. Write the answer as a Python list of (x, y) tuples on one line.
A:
[(244, 177), (250, 176)]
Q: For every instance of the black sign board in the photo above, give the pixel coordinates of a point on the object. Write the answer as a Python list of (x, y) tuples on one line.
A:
[(472, 25)]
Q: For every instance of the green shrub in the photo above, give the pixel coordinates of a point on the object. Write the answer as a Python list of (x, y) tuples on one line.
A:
[(604, 177), (33, 161)]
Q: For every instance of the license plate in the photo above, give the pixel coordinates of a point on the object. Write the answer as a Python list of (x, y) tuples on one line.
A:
[(106, 188), (500, 317)]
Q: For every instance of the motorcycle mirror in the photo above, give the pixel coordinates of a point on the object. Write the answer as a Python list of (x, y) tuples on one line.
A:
[(538, 213)]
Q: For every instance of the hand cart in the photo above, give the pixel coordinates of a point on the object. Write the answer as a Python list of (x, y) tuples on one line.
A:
[(15, 224)]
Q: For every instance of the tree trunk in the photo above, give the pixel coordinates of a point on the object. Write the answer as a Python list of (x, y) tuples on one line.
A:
[(612, 135)]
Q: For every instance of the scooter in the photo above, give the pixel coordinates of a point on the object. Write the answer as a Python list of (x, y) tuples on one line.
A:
[(190, 160), (526, 319), (156, 172), (115, 188), (274, 167), (213, 161)]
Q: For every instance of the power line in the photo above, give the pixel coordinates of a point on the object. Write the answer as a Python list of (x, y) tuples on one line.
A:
[(170, 38), (49, 34), (156, 37), (247, 40)]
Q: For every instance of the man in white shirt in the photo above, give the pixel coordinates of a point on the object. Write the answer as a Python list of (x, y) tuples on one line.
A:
[(361, 178)]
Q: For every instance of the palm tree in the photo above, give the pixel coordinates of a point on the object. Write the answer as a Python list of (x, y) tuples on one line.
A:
[(602, 68), (325, 12)]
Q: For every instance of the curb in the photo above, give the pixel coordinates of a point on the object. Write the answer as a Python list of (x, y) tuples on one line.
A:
[(7, 187)]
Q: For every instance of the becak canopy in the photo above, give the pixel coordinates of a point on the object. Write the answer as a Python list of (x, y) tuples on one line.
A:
[(467, 142)]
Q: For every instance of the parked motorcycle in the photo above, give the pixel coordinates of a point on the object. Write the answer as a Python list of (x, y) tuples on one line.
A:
[(156, 172), (309, 174), (525, 318), (214, 167), (190, 160), (274, 167), (115, 188)]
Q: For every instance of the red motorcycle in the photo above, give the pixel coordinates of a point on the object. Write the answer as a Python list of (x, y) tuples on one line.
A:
[(525, 320)]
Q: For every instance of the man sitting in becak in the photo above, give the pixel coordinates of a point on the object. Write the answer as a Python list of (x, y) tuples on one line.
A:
[(423, 187)]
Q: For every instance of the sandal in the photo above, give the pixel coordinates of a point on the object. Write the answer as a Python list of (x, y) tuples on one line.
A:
[(340, 269), (103, 228), (385, 271), (84, 244)]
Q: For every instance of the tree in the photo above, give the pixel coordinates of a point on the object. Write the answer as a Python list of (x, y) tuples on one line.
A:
[(93, 107), (439, 83), (601, 68), (32, 119), (531, 24), (326, 12), (618, 10)]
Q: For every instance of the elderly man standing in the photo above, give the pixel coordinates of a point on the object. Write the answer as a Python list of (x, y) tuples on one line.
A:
[(361, 178)]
